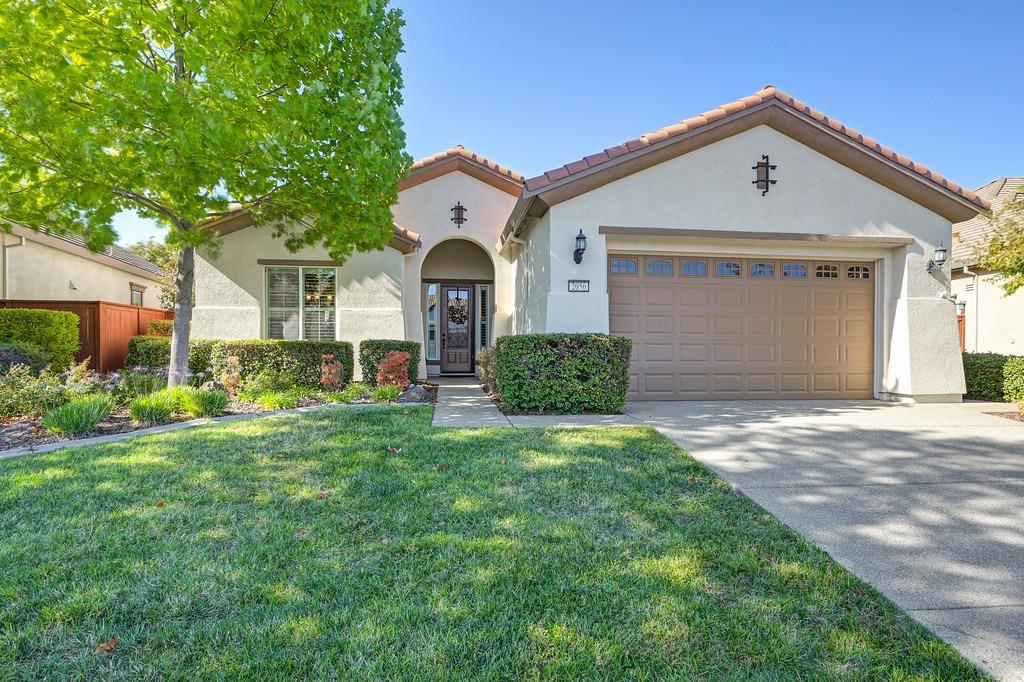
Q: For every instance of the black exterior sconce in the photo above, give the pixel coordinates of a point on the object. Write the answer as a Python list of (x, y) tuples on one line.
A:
[(581, 246), (938, 259), (459, 214), (763, 179)]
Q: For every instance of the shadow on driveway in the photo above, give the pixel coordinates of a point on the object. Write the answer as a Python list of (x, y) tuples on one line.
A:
[(926, 502)]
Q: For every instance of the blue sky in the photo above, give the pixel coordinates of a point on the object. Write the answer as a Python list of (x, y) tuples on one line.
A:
[(535, 84)]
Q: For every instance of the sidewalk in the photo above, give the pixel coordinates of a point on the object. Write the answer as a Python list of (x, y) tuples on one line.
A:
[(461, 403)]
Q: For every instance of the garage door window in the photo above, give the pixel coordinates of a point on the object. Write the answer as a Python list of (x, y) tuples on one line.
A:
[(659, 266), (762, 270), (794, 271), (826, 271), (693, 268), (728, 268), (858, 272), (623, 266)]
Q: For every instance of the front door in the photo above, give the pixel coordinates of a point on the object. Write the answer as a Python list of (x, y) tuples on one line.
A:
[(456, 329)]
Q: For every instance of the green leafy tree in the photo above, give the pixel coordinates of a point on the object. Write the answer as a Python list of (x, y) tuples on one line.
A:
[(1004, 252), (177, 109), (165, 256)]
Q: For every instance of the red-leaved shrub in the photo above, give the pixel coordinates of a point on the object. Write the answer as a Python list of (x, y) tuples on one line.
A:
[(332, 373), (393, 370)]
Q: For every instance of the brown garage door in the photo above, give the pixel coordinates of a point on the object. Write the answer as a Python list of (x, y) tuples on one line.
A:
[(728, 328)]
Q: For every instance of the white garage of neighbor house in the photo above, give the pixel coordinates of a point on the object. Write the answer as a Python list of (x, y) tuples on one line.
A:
[(760, 249)]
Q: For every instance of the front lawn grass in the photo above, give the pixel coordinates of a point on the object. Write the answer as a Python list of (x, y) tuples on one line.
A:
[(301, 547)]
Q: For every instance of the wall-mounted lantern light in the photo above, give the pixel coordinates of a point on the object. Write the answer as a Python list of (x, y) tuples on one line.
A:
[(459, 214), (763, 176), (581, 246), (938, 258), (961, 306)]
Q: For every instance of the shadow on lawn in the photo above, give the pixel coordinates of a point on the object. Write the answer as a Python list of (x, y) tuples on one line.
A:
[(299, 546)]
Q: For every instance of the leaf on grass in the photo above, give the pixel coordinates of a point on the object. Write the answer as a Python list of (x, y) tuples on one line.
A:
[(442, 467), (502, 461), (323, 494), (393, 450), (107, 646), (690, 479), (161, 504)]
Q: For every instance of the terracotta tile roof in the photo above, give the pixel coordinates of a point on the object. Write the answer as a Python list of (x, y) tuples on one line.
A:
[(766, 94), (460, 151), (405, 234), (970, 234)]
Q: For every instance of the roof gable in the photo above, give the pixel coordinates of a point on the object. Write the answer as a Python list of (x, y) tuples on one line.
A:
[(403, 240), (458, 158), (770, 107), (974, 233)]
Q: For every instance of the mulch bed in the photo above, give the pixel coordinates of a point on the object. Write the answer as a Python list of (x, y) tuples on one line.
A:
[(1014, 416)]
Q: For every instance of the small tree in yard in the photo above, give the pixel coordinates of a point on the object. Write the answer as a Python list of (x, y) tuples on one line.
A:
[(177, 110), (1004, 252)]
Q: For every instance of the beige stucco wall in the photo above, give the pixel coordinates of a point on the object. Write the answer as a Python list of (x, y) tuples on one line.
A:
[(230, 289), (425, 209), (710, 188), (36, 271), (993, 320)]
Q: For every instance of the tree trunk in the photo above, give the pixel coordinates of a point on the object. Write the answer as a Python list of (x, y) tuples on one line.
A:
[(178, 372)]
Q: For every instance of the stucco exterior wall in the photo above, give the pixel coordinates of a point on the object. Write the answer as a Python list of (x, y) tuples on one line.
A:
[(533, 279), (35, 271), (230, 289), (711, 189), (425, 209), (993, 320)]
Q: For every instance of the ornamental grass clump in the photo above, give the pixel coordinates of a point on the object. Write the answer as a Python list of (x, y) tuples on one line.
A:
[(78, 416), (155, 408)]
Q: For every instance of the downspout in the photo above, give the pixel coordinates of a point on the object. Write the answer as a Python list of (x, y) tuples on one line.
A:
[(6, 264), (977, 309)]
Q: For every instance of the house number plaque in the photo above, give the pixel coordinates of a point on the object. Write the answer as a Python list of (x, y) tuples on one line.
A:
[(579, 285)]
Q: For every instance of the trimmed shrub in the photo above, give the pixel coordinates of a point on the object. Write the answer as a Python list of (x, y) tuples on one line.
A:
[(299, 359), (562, 373), (372, 351), (23, 353), (393, 370), (162, 328), (485, 368), (55, 332), (1013, 380), (79, 416), (154, 353), (984, 375), (268, 381), (386, 394), (155, 408)]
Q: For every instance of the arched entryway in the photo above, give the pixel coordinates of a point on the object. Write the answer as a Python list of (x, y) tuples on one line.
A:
[(457, 288)]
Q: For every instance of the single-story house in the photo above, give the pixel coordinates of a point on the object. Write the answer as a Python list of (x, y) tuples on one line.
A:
[(35, 266), (758, 250), (992, 321)]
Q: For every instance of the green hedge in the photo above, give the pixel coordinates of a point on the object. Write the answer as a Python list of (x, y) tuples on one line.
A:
[(154, 353), (1013, 380), (562, 373), (300, 359), (372, 351), (53, 331), (984, 375), (160, 327)]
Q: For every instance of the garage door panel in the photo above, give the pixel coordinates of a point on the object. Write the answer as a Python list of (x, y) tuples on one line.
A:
[(700, 337)]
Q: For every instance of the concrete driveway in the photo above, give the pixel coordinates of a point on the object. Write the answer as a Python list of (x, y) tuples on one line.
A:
[(925, 502)]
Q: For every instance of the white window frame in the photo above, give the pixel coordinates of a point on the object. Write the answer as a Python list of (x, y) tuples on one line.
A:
[(484, 315), (302, 299)]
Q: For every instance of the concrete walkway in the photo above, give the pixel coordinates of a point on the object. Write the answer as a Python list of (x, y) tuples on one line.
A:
[(925, 502), (462, 403)]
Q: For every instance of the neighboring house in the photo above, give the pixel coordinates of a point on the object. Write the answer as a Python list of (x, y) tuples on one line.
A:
[(758, 250), (992, 321), (35, 266)]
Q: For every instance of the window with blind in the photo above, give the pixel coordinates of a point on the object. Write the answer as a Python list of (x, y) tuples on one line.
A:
[(300, 303)]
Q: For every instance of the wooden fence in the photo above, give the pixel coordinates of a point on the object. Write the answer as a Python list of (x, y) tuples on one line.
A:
[(103, 327)]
